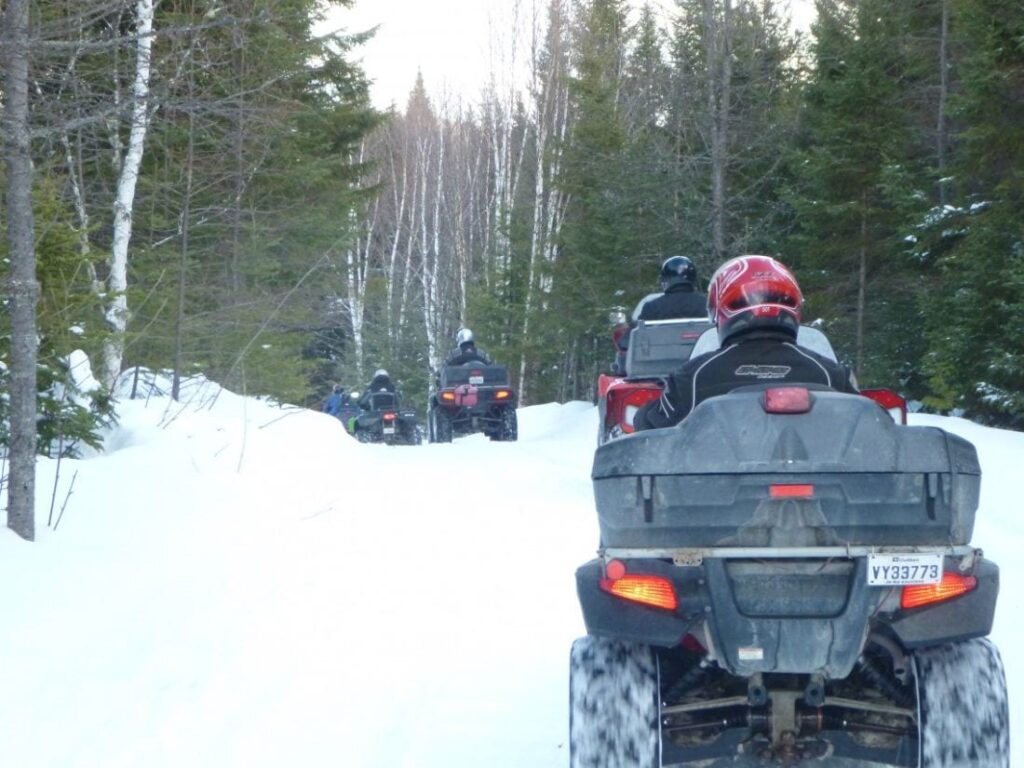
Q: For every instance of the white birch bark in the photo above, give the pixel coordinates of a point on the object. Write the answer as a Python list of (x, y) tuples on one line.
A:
[(117, 282)]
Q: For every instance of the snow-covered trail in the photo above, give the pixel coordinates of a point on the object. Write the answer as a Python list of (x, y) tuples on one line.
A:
[(238, 588)]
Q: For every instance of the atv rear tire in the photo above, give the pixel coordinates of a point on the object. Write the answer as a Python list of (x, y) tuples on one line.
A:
[(965, 720), (440, 427), (509, 429), (613, 705)]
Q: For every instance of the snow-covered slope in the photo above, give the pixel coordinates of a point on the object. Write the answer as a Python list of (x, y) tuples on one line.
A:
[(233, 584)]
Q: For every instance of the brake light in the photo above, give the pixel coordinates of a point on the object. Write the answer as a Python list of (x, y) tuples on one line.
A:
[(502, 394), (894, 404), (952, 585), (783, 491), (389, 417), (787, 400), (631, 402), (654, 591), (448, 396)]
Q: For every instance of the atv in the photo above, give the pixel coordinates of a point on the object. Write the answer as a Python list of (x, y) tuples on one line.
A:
[(385, 422), (646, 356), (786, 578), (469, 398)]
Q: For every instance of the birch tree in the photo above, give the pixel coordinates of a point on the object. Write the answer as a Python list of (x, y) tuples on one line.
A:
[(22, 287), (117, 280)]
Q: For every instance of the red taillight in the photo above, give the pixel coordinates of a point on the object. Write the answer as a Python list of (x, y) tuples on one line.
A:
[(628, 402), (502, 394), (891, 402), (952, 585), (787, 400), (389, 417), (792, 491), (448, 397), (655, 591)]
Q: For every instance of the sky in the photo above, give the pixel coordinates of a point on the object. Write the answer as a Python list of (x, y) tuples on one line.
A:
[(237, 583), (450, 41)]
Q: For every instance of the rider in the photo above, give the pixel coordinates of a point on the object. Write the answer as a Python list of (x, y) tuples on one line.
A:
[(335, 401), (465, 350), (381, 382), (755, 302), (680, 299)]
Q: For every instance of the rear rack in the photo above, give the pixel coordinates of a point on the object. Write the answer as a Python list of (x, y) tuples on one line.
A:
[(697, 555)]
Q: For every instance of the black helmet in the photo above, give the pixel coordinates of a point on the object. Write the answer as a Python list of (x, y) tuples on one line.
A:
[(338, 389), (677, 270)]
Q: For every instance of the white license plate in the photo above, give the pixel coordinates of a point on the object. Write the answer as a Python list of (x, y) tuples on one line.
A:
[(476, 379), (389, 430), (897, 570)]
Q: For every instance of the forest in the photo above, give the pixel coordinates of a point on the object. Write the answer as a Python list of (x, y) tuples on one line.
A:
[(211, 190)]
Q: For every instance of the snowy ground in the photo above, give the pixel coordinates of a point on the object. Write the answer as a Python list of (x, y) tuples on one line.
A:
[(233, 584)]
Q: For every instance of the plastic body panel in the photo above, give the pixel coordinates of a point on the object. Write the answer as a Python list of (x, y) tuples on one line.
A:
[(706, 481)]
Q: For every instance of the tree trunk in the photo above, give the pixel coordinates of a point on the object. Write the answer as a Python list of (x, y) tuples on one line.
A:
[(719, 67), (186, 213), (117, 283), (862, 281), (22, 288), (940, 134)]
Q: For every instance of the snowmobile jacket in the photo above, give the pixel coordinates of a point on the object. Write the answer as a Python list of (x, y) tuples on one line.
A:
[(679, 301), (755, 358), (466, 353), (333, 404)]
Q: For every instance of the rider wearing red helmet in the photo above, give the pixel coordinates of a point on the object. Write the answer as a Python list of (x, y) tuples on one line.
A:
[(755, 302)]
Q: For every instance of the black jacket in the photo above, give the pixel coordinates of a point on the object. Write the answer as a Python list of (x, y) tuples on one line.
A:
[(755, 358), (378, 385), (466, 353), (677, 302)]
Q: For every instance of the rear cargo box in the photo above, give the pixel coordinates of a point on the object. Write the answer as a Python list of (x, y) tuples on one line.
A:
[(485, 375), (660, 347), (708, 481)]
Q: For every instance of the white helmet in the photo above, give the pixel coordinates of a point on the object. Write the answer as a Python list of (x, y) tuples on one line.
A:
[(380, 372), (463, 336)]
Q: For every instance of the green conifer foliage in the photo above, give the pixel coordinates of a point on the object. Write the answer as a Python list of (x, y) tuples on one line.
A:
[(976, 319)]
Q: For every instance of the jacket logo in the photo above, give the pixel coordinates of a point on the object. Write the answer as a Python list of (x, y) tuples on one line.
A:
[(764, 371)]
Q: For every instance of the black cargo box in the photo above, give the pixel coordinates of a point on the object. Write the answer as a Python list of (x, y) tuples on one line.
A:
[(491, 375), (659, 347), (706, 482)]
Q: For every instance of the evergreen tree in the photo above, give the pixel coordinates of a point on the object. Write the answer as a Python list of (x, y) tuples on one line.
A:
[(976, 318), (854, 195)]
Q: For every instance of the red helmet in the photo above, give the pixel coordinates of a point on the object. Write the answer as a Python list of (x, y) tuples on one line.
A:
[(751, 292)]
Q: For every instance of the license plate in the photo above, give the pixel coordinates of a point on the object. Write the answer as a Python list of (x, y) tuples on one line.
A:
[(389, 430), (476, 379), (897, 570)]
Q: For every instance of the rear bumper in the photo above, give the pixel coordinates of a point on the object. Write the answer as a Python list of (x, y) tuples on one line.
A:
[(748, 621)]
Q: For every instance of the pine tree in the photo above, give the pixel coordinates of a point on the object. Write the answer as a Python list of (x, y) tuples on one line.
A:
[(976, 317), (854, 196)]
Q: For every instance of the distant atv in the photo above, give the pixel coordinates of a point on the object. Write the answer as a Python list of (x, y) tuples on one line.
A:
[(385, 422), (786, 578), (470, 398)]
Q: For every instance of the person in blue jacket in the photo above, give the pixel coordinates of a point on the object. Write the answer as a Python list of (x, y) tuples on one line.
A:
[(335, 401)]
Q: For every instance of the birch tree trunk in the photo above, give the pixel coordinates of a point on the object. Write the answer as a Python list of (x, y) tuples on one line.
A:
[(22, 287), (117, 282)]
